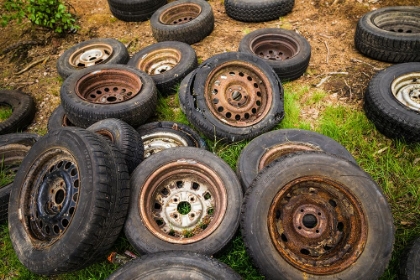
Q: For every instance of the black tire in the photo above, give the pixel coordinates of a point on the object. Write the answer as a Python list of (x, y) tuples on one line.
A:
[(181, 176), (272, 145), (258, 11), (390, 34), (78, 223), (256, 108), (58, 119), (284, 50), (125, 93), (391, 101), (184, 92), (13, 149), (158, 136), (91, 52), (23, 110), (167, 63), (174, 265), (410, 263), (312, 203), (124, 137), (195, 21), (134, 10)]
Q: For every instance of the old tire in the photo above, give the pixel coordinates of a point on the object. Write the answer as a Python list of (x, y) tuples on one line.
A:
[(172, 179), (70, 198), (158, 136), (392, 101), (410, 262), (13, 149), (258, 11), (58, 119), (390, 34), (175, 265), (266, 148), (284, 50), (91, 52), (188, 21), (166, 62), (134, 10), (185, 91), (317, 215), (23, 110), (108, 91), (124, 137)]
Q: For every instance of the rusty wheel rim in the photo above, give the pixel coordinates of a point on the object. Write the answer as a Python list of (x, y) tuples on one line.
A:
[(238, 93), (407, 22), (406, 89), (276, 47), (91, 55), (317, 225), (159, 141), (180, 14), (179, 184), (50, 194), (108, 86), (159, 61)]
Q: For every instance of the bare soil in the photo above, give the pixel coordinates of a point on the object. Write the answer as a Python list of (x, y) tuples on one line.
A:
[(328, 25)]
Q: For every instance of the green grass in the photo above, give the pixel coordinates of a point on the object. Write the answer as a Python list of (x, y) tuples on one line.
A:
[(5, 112), (392, 164)]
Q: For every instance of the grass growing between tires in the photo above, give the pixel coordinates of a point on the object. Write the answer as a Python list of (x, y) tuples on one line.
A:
[(392, 164)]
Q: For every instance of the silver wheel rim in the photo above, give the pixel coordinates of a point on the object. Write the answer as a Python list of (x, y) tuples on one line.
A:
[(156, 142), (406, 90)]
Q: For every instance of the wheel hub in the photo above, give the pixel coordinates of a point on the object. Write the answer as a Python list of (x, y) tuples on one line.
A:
[(274, 47), (156, 142), (91, 55), (180, 14), (159, 61), (406, 90)]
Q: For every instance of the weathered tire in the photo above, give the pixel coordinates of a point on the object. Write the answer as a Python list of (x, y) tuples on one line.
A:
[(23, 110), (258, 11), (317, 215), (134, 10), (108, 91), (91, 52), (237, 96), (165, 182), (70, 198), (166, 62), (392, 101), (284, 50), (58, 119), (124, 137), (188, 21), (390, 34), (158, 136), (13, 149), (410, 263), (266, 148), (185, 93)]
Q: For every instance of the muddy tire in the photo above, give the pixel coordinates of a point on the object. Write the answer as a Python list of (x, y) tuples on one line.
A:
[(284, 50), (238, 96), (175, 265), (258, 11), (91, 52), (392, 101), (183, 199), (124, 137), (390, 34), (296, 220), (266, 148), (72, 189), (13, 149), (167, 63), (188, 21), (134, 10), (158, 136), (184, 93), (23, 110), (58, 119), (108, 91), (410, 262)]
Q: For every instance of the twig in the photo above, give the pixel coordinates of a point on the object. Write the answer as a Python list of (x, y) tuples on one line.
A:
[(328, 51), (337, 73), (351, 94), (128, 44), (323, 80), (43, 60), (325, 35), (333, 3), (360, 61)]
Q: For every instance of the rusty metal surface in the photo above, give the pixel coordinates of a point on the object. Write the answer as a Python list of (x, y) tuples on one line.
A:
[(182, 181), (159, 61), (180, 14), (238, 93), (108, 86), (91, 55), (317, 225), (158, 141), (274, 47)]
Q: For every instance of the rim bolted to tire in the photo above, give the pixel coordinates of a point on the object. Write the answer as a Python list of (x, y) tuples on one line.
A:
[(91, 55), (180, 14), (406, 89), (159, 61), (156, 142), (274, 47), (407, 22)]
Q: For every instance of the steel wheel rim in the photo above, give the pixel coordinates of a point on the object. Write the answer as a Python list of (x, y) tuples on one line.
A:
[(274, 47), (311, 229), (90, 55), (159, 141), (406, 89), (180, 14), (175, 183), (159, 61), (108, 86), (51, 194), (408, 22), (238, 93)]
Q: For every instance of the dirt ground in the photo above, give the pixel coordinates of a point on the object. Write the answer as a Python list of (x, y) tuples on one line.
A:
[(329, 26)]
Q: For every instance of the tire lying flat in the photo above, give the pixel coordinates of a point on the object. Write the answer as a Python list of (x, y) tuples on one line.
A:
[(23, 110), (258, 11), (58, 119), (134, 10)]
